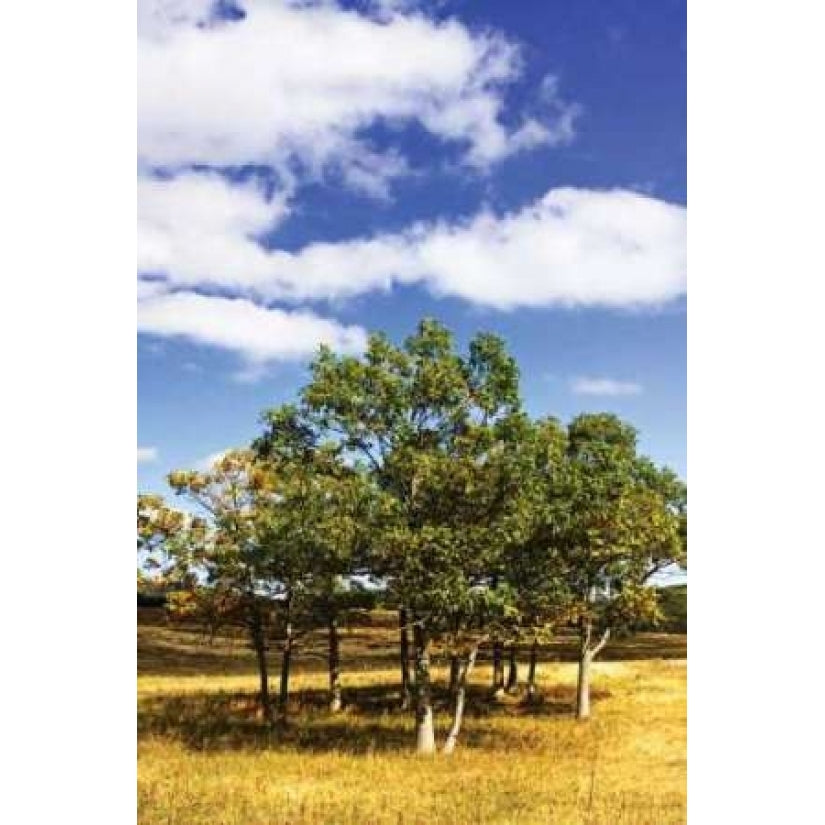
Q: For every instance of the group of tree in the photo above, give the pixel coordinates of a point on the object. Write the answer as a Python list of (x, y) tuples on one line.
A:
[(416, 470)]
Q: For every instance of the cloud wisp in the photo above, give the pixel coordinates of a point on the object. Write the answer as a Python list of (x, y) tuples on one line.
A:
[(207, 462), (604, 387), (147, 455), (259, 335)]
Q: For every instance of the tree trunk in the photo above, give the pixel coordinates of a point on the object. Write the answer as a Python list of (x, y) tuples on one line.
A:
[(455, 672), (512, 674), (531, 671), (334, 667), (498, 670), (587, 654), (286, 661), (424, 724), (583, 687), (406, 696), (259, 643), (460, 698)]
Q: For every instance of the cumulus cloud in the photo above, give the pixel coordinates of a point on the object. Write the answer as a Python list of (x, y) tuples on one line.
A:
[(291, 82), (198, 223), (573, 247), (295, 85), (604, 386), (259, 335), (146, 455)]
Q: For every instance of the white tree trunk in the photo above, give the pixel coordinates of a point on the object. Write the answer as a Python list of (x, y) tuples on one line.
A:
[(460, 697), (586, 656), (424, 722), (334, 667)]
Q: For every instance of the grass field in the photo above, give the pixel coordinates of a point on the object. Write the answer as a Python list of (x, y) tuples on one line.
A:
[(204, 756)]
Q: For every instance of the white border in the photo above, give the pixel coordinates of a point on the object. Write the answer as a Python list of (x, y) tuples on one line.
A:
[(756, 231), (755, 387), (69, 411)]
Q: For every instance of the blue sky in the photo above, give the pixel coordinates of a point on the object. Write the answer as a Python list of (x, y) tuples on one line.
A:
[(310, 172)]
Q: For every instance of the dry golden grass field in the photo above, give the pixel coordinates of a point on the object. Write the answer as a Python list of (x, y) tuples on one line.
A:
[(205, 758)]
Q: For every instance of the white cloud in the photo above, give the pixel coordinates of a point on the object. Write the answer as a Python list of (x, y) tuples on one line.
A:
[(258, 334), (207, 462), (573, 247), (293, 85), (146, 455), (154, 17), (203, 228), (604, 386), (301, 81)]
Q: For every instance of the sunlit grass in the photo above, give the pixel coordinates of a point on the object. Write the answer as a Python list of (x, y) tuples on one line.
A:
[(206, 757)]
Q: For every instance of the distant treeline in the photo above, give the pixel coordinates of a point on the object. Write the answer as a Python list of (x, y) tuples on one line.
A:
[(151, 599), (672, 602)]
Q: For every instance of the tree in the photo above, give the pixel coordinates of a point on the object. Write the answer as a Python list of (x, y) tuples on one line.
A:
[(225, 549), (432, 427), (159, 527), (614, 520), (316, 529), (163, 534), (528, 564), (334, 601), (211, 605)]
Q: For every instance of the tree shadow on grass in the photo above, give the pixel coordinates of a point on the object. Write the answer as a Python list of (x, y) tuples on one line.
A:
[(558, 700), (162, 659), (233, 721), (372, 720)]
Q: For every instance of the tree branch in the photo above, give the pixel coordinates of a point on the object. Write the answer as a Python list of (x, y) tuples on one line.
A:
[(602, 642)]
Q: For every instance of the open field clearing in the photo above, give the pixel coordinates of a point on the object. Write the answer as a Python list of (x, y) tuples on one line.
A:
[(204, 756)]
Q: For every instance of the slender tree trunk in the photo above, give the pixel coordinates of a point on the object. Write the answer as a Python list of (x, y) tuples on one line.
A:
[(334, 667), (286, 661), (406, 695), (259, 643), (531, 671), (424, 723), (498, 670), (583, 686), (512, 673), (455, 672), (583, 682), (460, 698), (587, 654)]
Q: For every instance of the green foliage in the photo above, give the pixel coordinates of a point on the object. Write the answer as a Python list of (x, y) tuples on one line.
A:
[(434, 429), (673, 608), (415, 468), (618, 521)]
